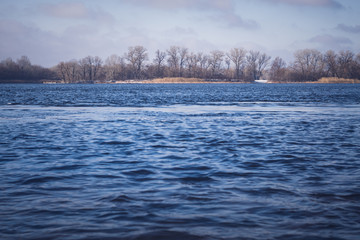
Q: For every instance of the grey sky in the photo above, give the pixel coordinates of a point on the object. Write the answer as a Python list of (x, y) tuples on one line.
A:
[(52, 31)]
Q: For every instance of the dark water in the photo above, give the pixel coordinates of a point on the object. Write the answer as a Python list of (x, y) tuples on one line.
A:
[(180, 161)]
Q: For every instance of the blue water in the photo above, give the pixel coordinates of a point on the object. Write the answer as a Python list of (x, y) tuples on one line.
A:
[(217, 161)]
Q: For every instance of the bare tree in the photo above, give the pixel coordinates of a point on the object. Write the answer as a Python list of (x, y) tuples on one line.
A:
[(97, 67), (88, 63), (263, 61), (278, 70), (159, 62), (114, 67), (182, 59), (252, 65), (83, 70), (90, 68), (204, 64), (228, 70), (173, 60), (23, 63), (308, 65), (237, 56), (68, 71), (215, 62), (197, 64), (330, 61), (345, 61), (137, 56), (357, 66), (192, 64)]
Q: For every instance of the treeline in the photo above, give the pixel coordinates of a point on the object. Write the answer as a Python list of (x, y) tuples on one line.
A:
[(311, 65), (22, 71), (237, 65)]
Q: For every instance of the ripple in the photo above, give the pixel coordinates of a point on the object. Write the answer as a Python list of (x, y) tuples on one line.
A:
[(196, 179), (165, 235), (139, 172), (187, 162), (41, 179), (116, 143)]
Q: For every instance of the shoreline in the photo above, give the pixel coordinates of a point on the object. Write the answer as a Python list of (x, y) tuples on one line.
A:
[(331, 80)]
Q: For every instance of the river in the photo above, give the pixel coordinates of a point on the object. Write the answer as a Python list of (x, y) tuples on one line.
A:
[(180, 161)]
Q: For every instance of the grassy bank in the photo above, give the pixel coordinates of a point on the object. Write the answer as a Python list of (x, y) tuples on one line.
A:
[(184, 80), (175, 80), (325, 80), (337, 80)]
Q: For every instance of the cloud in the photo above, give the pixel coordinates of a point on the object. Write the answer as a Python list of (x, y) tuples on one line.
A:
[(330, 42), (349, 29), (235, 21), (219, 5), (311, 3), (48, 49), (180, 31), (222, 11), (40, 46), (75, 10), (66, 10)]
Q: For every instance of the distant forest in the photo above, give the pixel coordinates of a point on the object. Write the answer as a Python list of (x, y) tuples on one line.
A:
[(237, 65)]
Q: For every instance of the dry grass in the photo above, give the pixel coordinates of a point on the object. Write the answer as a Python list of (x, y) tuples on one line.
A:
[(337, 80), (187, 80), (175, 80)]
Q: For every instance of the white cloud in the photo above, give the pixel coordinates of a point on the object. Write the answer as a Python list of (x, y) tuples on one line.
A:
[(180, 31), (204, 5), (315, 3), (221, 11), (327, 41), (348, 28), (76, 10), (17, 39), (65, 10), (233, 20)]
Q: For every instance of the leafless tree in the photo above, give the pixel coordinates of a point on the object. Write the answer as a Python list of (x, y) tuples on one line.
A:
[(192, 64), (330, 61), (173, 60), (204, 64), (237, 56), (263, 61), (277, 70), (61, 71), (90, 68), (114, 67), (97, 67), (357, 66), (137, 56), (308, 65), (215, 62), (228, 74), (182, 59), (252, 65), (345, 61), (23, 63), (159, 63)]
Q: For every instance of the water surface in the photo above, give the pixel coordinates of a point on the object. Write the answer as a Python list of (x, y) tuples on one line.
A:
[(192, 161)]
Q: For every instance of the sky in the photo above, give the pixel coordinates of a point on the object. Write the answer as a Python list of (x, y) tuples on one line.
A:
[(61, 30)]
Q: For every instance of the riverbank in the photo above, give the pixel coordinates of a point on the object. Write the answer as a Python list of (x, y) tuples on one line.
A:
[(179, 80), (324, 80), (337, 80)]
